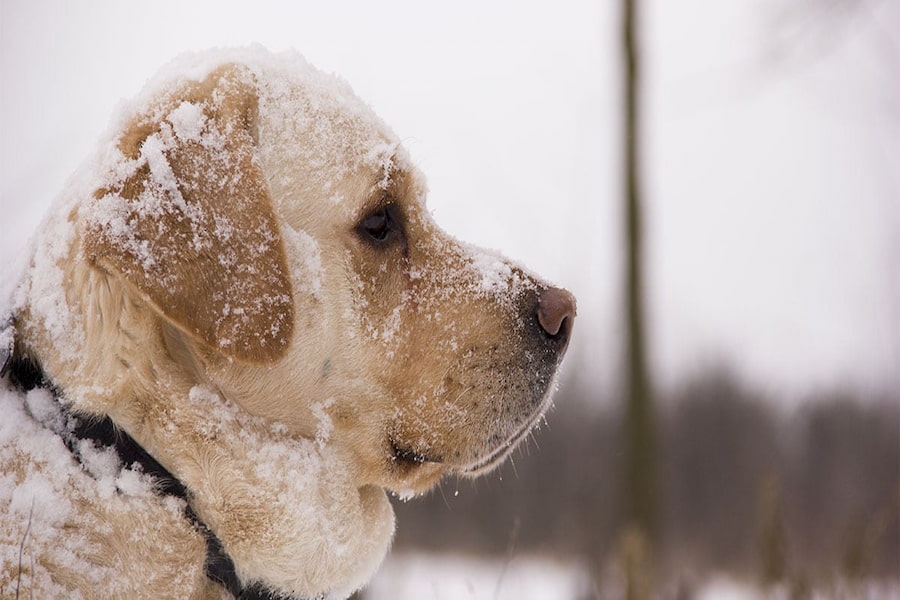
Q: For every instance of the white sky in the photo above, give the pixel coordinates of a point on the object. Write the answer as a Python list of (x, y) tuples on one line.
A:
[(773, 166)]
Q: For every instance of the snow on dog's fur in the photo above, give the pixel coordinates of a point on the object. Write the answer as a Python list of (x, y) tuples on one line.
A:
[(247, 282)]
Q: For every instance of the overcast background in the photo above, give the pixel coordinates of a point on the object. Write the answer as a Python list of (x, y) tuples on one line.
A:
[(773, 156)]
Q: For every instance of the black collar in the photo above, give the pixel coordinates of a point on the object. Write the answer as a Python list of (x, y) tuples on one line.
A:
[(26, 374)]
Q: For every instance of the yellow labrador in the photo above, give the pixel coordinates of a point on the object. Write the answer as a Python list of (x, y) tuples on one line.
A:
[(239, 327)]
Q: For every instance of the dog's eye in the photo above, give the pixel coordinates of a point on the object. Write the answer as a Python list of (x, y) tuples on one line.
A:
[(377, 226), (381, 226)]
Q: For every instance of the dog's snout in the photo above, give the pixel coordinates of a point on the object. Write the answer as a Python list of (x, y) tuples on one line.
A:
[(556, 313)]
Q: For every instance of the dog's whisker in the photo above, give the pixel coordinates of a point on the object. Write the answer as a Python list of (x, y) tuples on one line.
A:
[(444, 496), (512, 461)]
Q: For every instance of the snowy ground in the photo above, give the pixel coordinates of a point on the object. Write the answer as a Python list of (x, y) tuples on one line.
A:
[(460, 577)]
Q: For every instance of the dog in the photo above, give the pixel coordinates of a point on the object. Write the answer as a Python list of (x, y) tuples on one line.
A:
[(240, 327)]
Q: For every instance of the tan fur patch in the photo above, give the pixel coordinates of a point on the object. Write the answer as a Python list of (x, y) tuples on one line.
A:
[(192, 227)]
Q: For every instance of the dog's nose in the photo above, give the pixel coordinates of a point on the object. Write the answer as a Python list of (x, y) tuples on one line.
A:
[(556, 313)]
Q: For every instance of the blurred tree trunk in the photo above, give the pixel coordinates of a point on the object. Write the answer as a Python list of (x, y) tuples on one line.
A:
[(640, 428), (773, 545)]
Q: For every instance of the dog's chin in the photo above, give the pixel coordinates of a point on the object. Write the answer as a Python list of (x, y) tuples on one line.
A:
[(412, 473), (416, 479), (495, 457)]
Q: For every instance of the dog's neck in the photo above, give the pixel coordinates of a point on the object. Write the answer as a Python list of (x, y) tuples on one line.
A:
[(26, 375), (287, 507)]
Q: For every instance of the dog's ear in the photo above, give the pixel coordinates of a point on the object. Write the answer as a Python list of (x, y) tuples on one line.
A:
[(189, 221)]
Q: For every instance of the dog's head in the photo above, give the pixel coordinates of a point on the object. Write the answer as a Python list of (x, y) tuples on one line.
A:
[(278, 233), (280, 229)]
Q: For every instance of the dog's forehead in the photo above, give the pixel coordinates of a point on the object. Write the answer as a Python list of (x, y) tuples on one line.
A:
[(316, 137)]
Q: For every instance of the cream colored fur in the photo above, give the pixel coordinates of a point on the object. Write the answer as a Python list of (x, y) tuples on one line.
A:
[(205, 282)]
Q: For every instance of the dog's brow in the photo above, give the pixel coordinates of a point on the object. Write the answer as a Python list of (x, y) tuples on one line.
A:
[(388, 176), (387, 189)]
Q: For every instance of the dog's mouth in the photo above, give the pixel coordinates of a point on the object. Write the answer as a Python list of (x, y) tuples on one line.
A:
[(410, 459), (500, 453), (407, 456)]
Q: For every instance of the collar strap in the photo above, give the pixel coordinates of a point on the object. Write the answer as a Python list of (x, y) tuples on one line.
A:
[(26, 374)]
